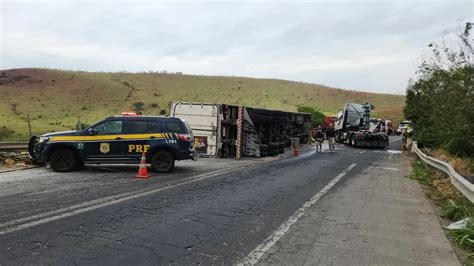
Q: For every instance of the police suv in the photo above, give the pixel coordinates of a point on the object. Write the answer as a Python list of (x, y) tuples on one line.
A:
[(117, 140)]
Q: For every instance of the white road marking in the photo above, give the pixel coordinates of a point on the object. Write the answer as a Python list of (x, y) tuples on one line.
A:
[(386, 168), (394, 151), (253, 257), (395, 140), (50, 216)]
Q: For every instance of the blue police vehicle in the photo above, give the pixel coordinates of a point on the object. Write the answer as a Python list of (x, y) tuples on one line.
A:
[(117, 140)]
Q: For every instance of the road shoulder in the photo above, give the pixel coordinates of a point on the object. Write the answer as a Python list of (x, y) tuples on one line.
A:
[(376, 216)]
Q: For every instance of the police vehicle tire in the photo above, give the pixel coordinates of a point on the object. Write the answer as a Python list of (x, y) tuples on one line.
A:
[(63, 160), (162, 162)]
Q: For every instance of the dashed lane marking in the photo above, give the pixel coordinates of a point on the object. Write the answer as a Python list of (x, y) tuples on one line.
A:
[(253, 257)]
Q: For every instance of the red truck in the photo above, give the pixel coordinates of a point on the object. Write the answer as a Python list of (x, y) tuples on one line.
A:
[(328, 120)]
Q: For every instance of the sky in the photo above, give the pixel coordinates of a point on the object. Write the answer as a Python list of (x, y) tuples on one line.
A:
[(359, 45)]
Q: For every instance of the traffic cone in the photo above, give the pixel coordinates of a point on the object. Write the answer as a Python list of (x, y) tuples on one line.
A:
[(142, 170)]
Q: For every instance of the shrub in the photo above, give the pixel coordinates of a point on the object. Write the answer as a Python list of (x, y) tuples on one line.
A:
[(316, 116), (154, 105), (456, 210), (163, 112), (138, 106), (5, 132)]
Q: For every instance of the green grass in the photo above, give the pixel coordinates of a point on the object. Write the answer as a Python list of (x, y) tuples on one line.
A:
[(464, 238), (421, 173), (48, 95), (452, 208)]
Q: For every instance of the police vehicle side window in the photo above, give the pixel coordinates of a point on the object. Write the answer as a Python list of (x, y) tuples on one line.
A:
[(109, 127), (175, 126), (154, 127), (135, 127)]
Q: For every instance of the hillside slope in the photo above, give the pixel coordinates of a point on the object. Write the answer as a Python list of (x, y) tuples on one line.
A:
[(55, 99)]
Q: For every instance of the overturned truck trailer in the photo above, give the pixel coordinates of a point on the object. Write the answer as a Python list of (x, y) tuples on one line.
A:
[(224, 130)]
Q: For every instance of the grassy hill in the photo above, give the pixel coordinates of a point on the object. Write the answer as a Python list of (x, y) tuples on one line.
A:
[(55, 99)]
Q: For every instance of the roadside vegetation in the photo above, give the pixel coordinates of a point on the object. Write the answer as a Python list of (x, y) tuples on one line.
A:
[(317, 116), (440, 103), (451, 205)]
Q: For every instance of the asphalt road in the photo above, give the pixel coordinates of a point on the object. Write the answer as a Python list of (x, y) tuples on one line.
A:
[(103, 216)]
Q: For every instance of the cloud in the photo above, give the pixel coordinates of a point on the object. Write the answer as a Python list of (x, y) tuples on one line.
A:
[(370, 46)]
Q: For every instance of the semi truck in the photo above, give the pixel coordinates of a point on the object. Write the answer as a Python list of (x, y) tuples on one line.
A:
[(228, 131), (353, 127)]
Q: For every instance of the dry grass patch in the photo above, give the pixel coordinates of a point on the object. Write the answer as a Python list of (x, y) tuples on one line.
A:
[(464, 166)]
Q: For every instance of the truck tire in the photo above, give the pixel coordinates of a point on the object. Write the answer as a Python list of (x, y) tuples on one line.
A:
[(354, 140), (349, 139), (162, 162), (63, 160)]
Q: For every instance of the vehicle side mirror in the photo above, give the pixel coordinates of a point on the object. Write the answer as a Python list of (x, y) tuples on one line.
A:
[(91, 131)]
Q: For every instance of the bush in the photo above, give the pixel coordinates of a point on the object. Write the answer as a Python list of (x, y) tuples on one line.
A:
[(154, 105), (163, 112), (138, 106), (5, 132), (316, 116), (458, 209)]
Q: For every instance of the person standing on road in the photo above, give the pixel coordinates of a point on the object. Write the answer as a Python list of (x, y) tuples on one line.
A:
[(331, 135), (319, 138)]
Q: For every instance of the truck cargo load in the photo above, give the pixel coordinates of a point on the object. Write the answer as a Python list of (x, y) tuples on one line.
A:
[(224, 130)]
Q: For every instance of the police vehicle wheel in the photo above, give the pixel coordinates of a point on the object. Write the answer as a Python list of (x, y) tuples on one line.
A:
[(162, 162), (63, 160)]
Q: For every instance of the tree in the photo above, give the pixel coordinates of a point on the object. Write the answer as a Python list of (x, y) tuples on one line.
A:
[(439, 102), (316, 116)]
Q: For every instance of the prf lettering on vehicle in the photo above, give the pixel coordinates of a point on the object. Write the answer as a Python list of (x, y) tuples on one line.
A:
[(138, 148)]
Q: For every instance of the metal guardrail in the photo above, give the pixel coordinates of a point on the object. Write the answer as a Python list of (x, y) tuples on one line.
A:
[(460, 182), (6, 146)]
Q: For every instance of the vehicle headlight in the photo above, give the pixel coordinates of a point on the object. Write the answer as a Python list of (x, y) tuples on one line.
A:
[(43, 139)]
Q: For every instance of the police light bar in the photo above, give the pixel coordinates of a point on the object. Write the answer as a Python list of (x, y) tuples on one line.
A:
[(129, 114)]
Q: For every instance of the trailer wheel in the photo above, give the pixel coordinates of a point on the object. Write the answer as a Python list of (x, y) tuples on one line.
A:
[(354, 140)]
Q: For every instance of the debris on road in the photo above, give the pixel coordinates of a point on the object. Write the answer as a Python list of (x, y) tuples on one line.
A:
[(458, 225), (14, 160)]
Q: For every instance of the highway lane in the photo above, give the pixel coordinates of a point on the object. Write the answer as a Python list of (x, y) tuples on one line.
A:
[(214, 220)]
